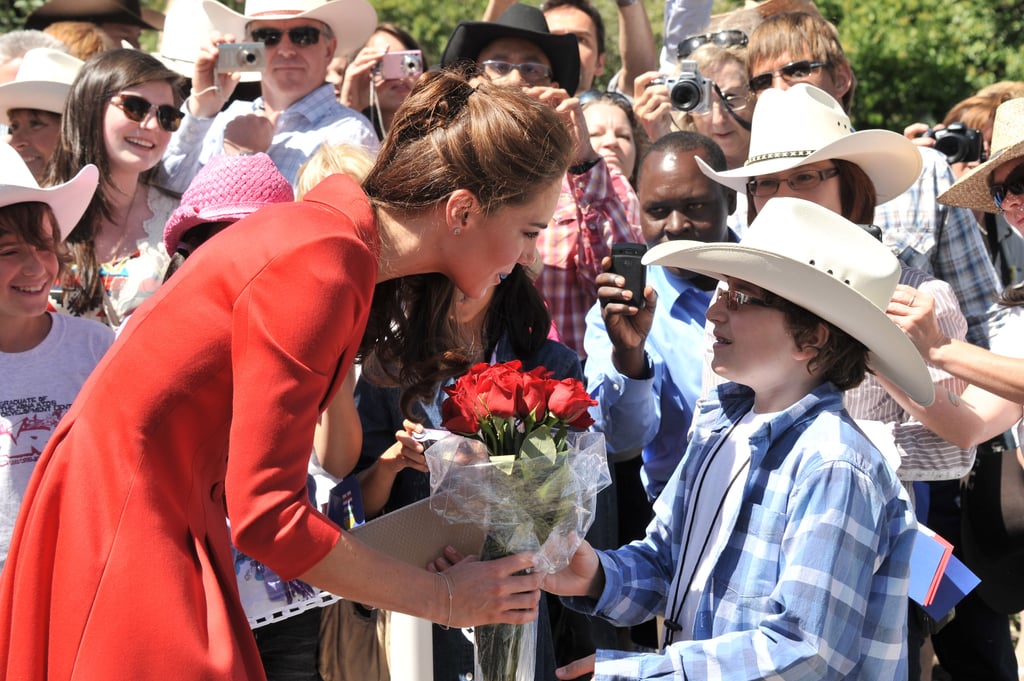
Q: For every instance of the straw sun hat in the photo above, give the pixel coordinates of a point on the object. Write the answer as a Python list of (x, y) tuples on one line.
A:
[(42, 82), (352, 21), (803, 125), (972, 190), (68, 201), (827, 265)]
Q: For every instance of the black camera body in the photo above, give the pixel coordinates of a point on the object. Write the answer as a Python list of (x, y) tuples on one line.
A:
[(959, 143), (689, 91)]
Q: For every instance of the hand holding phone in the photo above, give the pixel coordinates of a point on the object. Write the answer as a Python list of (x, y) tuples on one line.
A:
[(626, 262)]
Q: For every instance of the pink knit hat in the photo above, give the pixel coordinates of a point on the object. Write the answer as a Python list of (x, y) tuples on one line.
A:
[(227, 189)]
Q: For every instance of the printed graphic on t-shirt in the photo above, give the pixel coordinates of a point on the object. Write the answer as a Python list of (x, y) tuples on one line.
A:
[(25, 426)]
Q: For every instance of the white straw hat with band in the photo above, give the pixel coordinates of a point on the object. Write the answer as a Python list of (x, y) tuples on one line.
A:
[(803, 125), (824, 263)]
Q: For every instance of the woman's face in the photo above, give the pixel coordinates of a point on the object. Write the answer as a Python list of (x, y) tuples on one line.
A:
[(136, 146), (33, 134), (393, 91), (719, 124), (825, 193), (494, 243), (611, 135), (1012, 173)]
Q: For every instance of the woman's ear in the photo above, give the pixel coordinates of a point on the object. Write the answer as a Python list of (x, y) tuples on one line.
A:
[(460, 209)]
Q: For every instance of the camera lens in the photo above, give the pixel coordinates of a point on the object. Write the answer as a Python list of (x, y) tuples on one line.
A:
[(953, 146), (686, 95), (249, 57)]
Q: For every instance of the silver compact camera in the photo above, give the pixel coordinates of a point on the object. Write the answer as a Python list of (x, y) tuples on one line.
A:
[(689, 91), (233, 57)]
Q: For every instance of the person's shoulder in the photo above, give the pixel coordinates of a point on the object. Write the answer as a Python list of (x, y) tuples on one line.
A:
[(82, 332)]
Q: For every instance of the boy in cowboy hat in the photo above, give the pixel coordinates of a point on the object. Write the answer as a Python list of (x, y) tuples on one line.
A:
[(781, 547), (597, 207), (297, 110), (44, 357)]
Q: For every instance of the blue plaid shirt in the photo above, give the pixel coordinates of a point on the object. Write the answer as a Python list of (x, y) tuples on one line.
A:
[(812, 582), (305, 125), (945, 242)]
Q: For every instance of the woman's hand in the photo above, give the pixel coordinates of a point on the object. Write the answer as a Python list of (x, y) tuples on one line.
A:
[(355, 88), (577, 668), (914, 312), (652, 105), (505, 590)]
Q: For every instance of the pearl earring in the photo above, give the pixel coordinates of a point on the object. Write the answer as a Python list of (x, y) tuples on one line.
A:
[(456, 231)]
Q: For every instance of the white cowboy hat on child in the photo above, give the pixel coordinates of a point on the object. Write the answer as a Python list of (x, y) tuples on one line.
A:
[(352, 21), (972, 190), (68, 201), (827, 265), (42, 82), (803, 125)]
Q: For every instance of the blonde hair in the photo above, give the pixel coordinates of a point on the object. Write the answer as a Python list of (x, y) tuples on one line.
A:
[(82, 38), (332, 159)]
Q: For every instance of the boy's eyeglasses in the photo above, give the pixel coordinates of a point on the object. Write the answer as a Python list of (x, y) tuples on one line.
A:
[(801, 180), (734, 300), (301, 36), (794, 72), (137, 109), (1014, 185), (531, 72), (721, 38)]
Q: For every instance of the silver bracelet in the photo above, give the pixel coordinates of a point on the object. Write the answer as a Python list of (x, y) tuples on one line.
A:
[(451, 597)]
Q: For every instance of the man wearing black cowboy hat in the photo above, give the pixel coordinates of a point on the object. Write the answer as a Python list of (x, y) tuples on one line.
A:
[(597, 207), (122, 20)]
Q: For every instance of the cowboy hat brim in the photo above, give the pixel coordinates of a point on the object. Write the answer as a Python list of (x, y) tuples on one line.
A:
[(32, 94), (68, 201), (352, 21), (470, 37), (890, 352), (95, 11), (881, 154), (972, 190)]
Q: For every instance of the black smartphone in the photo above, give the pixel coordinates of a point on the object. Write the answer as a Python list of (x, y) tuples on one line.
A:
[(626, 262)]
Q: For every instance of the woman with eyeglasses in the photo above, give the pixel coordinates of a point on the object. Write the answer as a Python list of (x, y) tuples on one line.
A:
[(377, 80), (119, 116)]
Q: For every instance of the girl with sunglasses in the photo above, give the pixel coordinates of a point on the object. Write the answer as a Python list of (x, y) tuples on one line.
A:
[(119, 115)]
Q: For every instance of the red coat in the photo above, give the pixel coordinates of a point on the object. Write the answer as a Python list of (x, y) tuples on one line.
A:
[(120, 565)]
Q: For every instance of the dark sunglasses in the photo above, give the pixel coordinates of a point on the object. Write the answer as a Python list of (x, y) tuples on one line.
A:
[(794, 72), (301, 36), (137, 108), (734, 300), (1014, 184), (721, 38)]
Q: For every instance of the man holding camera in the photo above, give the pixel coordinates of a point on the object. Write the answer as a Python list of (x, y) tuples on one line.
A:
[(294, 40)]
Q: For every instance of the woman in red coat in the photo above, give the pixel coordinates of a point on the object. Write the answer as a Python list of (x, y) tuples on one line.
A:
[(120, 566)]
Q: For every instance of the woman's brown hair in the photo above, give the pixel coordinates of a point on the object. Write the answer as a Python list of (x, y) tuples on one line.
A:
[(449, 134)]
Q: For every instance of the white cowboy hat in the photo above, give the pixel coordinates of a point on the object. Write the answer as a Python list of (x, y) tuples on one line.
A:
[(972, 190), (186, 30), (827, 265), (68, 201), (803, 125), (352, 21), (42, 82)]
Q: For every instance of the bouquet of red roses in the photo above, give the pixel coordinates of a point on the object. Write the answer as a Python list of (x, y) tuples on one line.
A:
[(524, 472)]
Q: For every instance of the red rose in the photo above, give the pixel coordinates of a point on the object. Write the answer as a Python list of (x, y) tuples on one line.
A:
[(569, 402), (500, 388), (535, 394)]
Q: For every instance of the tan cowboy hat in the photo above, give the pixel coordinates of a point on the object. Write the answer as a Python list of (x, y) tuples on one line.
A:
[(827, 265), (42, 82), (971, 190), (68, 201), (186, 30), (352, 21), (803, 125)]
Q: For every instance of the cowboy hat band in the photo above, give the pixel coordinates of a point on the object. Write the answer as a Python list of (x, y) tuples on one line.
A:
[(972, 190), (68, 201), (526, 23), (818, 260), (351, 21), (803, 125)]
